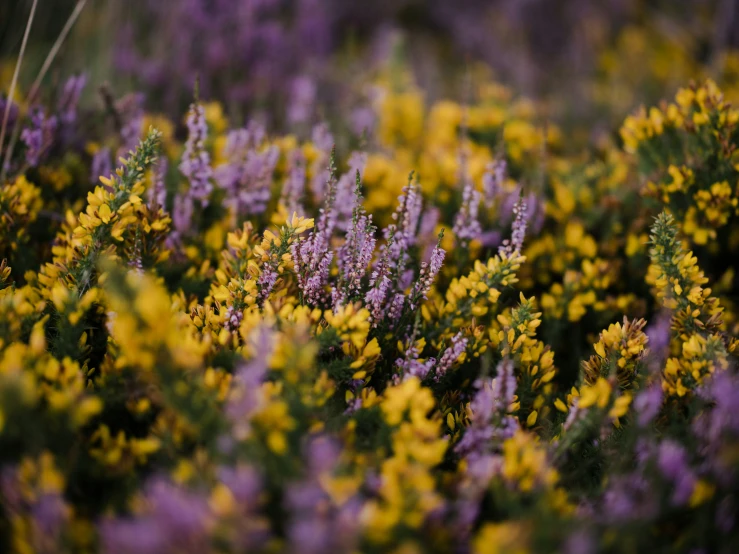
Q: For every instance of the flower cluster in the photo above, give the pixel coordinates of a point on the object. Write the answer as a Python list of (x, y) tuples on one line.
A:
[(241, 341)]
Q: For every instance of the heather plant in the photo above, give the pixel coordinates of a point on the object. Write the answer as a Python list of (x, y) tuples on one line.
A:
[(457, 334)]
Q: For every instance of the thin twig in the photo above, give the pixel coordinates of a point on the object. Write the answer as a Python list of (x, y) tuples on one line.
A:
[(55, 49), (110, 106), (14, 81), (37, 83)]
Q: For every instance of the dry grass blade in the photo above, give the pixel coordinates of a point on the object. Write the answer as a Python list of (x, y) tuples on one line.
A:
[(40, 77), (14, 81), (55, 49)]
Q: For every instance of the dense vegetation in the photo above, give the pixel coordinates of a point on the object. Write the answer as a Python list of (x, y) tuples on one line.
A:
[(412, 325)]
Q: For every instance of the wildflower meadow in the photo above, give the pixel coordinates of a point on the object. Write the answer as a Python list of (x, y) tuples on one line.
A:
[(308, 276)]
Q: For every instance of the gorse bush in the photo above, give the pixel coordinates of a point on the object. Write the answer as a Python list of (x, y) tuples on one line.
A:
[(450, 334)]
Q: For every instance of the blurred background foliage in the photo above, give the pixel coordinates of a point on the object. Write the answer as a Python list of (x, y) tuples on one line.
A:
[(584, 60)]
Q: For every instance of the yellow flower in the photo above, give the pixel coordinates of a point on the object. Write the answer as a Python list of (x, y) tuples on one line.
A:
[(350, 322), (510, 537), (597, 394)]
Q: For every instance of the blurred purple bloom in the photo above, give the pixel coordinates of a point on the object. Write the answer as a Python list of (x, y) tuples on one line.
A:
[(648, 403), (518, 233), (195, 164), (135, 536), (466, 222), (157, 194), (174, 519), (12, 114), (244, 483), (316, 523), (303, 97), (490, 422), (293, 189), (247, 177), (659, 334), (629, 498), (672, 461), (580, 542), (101, 165), (323, 140), (726, 514), (717, 426), (130, 109), (346, 189), (39, 136), (248, 376), (492, 181), (363, 121), (182, 213), (70, 98)]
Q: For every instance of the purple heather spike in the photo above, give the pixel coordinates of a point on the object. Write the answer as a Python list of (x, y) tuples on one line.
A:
[(195, 164)]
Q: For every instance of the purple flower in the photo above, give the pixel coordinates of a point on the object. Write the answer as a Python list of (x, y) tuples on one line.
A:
[(12, 114), (450, 355), (580, 542), (380, 285), (427, 276), (389, 278), (323, 140), (303, 98), (490, 422), (405, 227), (157, 194), (70, 98), (244, 484), (247, 177), (195, 164), (294, 187), (410, 366), (659, 334), (355, 254), (38, 136), (427, 225), (672, 461), (267, 280), (232, 319), (136, 536), (101, 165), (346, 190), (313, 255), (717, 426), (175, 520), (536, 214), (492, 181), (648, 404), (316, 523), (466, 224), (363, 120), (182, 214), (248, 376), (726, 514), (518, 233), (629, 498), (131, 114)]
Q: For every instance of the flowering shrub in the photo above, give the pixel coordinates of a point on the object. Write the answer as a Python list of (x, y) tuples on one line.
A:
[(458, 336)]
